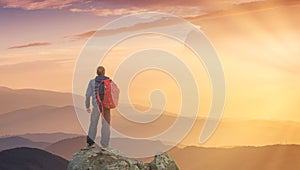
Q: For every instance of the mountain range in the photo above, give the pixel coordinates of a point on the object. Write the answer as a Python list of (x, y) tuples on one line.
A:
[(40, 119), (48, 121), (272, 157), (48, 137), (231, 132), (16, 141), (67, 147), (15, 99)]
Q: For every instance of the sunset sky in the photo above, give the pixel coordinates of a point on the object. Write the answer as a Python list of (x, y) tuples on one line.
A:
[(258, 43)]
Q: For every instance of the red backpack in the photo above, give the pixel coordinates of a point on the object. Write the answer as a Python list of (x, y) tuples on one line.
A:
[(111, 94)]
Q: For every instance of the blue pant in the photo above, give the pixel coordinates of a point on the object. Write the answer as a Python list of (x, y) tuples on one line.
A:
[(105, 129)]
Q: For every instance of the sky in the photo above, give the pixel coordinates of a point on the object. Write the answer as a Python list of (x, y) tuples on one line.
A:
[(257, 43)]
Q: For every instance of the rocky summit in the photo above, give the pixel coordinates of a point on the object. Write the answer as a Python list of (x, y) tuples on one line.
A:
[(97, 158)]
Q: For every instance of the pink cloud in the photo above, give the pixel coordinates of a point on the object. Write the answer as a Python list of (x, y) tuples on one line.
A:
[(84, 35), (35, 4), (30, 45), (120, 7), (191, 8), (135, 27), (109, 12), (242, 6)]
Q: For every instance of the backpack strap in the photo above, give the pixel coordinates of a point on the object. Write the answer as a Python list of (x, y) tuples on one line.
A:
[(101, 110)]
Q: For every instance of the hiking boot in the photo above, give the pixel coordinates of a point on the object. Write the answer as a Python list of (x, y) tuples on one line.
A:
[(89, 142), (90, 145)]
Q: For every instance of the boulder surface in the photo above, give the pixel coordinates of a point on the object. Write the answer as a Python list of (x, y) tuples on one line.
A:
[(97, 158)]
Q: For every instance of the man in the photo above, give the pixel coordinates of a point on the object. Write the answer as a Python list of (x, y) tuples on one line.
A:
[(92, 90)]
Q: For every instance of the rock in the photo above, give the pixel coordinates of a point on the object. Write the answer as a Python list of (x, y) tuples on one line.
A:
[(97, 158), (163, 161)]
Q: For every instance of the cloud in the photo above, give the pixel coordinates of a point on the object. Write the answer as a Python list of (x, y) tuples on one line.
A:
[(157, 22), (109, 12), (245, 6), (122, 7), (37, 4), (191, 8), (30, 45), (81, 36)]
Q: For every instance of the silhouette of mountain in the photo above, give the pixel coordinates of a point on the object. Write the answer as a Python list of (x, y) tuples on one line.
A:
[(230, 132), (274, 157), (67, 147), (48, 137), (52, 119), (14, 99), (16, 141), (31, 159), (40, 119)]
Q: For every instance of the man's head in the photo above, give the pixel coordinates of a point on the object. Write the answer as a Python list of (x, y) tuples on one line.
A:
[(101, 71)]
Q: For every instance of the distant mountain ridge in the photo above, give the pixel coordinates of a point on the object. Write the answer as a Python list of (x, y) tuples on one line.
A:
[(230, 132), (14, 99), (40, 119), (273, 157), (48, 137), (16, 141), (67, 147), (45, 118)]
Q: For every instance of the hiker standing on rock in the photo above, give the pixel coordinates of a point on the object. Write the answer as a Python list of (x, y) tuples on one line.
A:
[(104, 93)]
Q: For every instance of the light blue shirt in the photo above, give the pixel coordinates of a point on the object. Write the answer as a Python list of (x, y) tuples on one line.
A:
[(90, 92)]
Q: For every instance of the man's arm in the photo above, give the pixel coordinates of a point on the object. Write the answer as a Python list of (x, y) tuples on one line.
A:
[(88, 96)]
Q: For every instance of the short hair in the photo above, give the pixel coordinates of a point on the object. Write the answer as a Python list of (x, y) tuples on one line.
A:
[(101, 71)]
